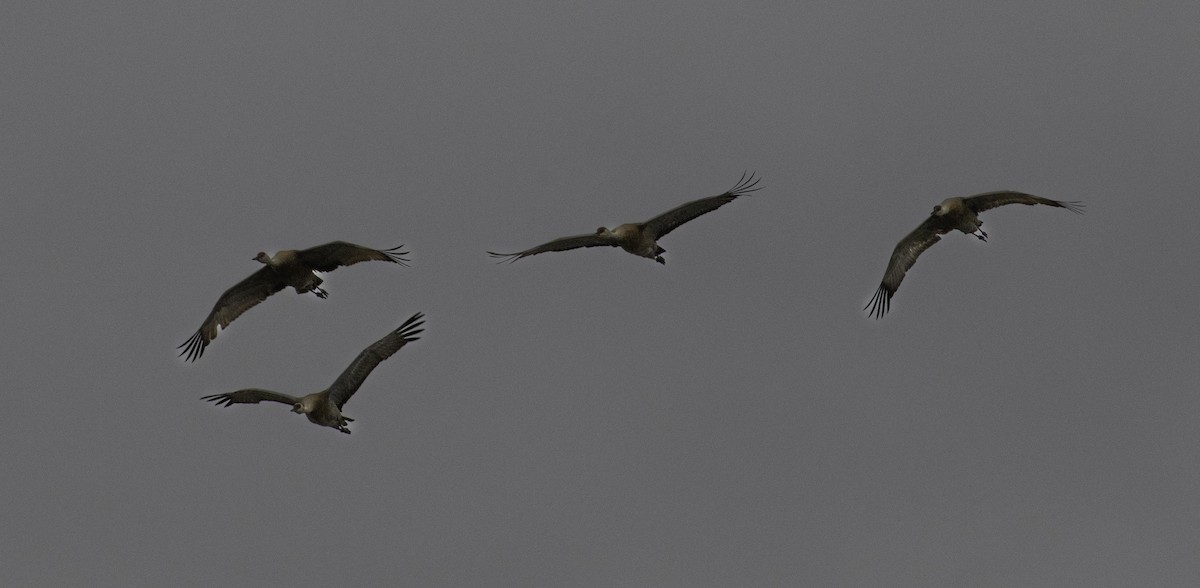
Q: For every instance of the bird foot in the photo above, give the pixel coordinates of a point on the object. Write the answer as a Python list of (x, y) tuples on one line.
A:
[(659, 259), (321, 293)]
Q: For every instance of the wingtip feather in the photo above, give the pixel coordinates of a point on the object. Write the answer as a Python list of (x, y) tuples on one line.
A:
[(880, 303), (745, 185), (193, 348)]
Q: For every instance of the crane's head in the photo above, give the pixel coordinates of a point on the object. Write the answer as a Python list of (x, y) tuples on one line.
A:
[(262, 257), (949, 205)]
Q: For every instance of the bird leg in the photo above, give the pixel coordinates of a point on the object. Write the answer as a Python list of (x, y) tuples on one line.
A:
[(981, 235), (320, 292)]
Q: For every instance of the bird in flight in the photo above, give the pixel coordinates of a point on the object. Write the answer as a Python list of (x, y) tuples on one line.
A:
[(641, 239), (290, 267), (325, 407), (952, 214)]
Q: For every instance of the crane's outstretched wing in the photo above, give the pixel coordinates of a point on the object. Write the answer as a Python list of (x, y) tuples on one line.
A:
[(668, 221), (347, 384), (250, 396), (330, 256), (560, 244), (903, 257), (988, 200), (236, 300)]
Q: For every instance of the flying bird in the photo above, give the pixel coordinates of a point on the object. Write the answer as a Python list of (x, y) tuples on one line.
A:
[(641, 239), (325, 407), (287, 268), (952, 214)]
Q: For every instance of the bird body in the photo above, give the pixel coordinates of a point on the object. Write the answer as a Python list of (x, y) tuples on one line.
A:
[(636, 240), (325, 407), (952, 214), (290, 267), (320, 410), (641, 239), (957, 215)]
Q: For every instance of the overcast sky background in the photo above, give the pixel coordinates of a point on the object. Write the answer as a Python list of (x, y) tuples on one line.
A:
[(1026, 415)]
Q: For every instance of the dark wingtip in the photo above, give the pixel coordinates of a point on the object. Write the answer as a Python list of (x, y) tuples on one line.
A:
[(880, 303), (394, 255), (193, 348), (745, 185), (412, 327), (219, 399), (1073, 206), (505, 257)]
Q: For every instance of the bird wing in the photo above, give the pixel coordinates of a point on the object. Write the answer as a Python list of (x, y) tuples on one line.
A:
[(989, 200), (903, 257), (236, 300), (560, 244), (250, 396), (330, 256), (347, 384), (668, 221)]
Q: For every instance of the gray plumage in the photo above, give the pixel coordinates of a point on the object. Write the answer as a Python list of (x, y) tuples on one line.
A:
[(325, 407), (289, 267), (641, 239), (952, 214)]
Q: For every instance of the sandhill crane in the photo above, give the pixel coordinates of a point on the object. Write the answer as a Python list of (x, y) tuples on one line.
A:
[(641, 239), (953, 213), (325, 407), (287, 268)]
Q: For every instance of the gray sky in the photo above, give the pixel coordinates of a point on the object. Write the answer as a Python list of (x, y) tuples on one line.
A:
[(1027, 414)]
